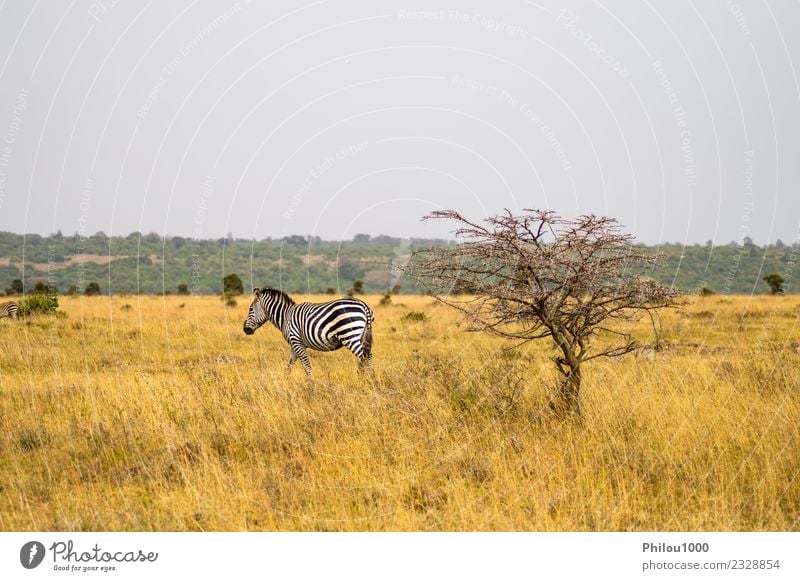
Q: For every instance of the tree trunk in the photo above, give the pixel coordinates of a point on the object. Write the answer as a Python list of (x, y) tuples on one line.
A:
[(567, 399)]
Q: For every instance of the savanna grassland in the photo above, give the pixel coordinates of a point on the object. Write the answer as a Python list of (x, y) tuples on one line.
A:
[(150, 413)]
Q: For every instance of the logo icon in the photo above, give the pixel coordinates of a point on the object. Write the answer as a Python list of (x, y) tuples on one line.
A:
[(31, 554)]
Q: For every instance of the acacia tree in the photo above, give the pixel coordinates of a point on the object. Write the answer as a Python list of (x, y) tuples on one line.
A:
[(538, 275), (775, 282)]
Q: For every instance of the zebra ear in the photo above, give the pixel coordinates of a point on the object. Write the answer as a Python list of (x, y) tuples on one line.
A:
[(256, 291)]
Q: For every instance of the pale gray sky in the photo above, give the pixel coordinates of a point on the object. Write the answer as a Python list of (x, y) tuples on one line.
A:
[(192, 118)]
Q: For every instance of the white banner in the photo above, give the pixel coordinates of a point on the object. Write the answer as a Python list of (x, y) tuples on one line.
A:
[(413, 556)]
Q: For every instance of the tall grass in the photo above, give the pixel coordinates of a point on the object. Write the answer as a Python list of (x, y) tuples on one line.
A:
[(167, 417)]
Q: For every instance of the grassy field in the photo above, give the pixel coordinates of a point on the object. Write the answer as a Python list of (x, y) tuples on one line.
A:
[(160, 414)]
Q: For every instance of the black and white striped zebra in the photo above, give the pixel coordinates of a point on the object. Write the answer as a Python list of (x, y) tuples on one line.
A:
[(9, 309), (320, 326)]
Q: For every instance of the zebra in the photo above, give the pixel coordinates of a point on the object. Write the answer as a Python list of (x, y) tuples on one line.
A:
[(9, 309), (320, 326)]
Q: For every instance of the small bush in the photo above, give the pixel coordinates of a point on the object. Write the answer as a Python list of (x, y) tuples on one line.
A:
[(40, 305), (511, 354), (706, 292), (386, 300), (414, 317), (701, 315), (30, 439), (126, 307)]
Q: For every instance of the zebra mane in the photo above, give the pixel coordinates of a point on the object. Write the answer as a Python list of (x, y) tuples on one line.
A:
[(273, 292)]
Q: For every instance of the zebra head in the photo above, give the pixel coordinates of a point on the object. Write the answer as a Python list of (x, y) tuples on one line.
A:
[(269, 305), (257, 315)]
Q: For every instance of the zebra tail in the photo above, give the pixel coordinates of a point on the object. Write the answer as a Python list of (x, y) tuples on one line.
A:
[(366, 337)]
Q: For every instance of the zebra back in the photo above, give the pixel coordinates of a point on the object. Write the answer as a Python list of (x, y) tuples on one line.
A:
[(325, 325)]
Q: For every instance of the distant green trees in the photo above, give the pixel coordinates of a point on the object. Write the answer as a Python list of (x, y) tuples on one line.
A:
[(314, 265), (92, 289), (296, 240), (775, 282), (39, 289), (15, 288), (232, 285)]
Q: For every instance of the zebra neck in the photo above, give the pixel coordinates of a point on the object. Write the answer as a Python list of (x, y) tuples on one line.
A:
[(278, 314)]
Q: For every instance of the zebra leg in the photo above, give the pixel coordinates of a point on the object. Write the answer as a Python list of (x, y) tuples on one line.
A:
[(291, 360), (299, 352), (306, 363), (365, 359)]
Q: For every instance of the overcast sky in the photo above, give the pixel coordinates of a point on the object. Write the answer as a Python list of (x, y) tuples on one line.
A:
[(332, 118)]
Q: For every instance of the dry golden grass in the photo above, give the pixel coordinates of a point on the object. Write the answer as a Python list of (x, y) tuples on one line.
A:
[(165, 416)]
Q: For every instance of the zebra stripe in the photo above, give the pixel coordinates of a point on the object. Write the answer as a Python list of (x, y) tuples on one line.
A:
[(319, 326), (9, 309)]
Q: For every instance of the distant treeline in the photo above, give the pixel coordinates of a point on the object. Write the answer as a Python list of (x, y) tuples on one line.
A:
[(152, 264)]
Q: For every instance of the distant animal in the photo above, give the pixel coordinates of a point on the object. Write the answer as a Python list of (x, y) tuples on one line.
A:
[(320, 326), (9, 309)]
